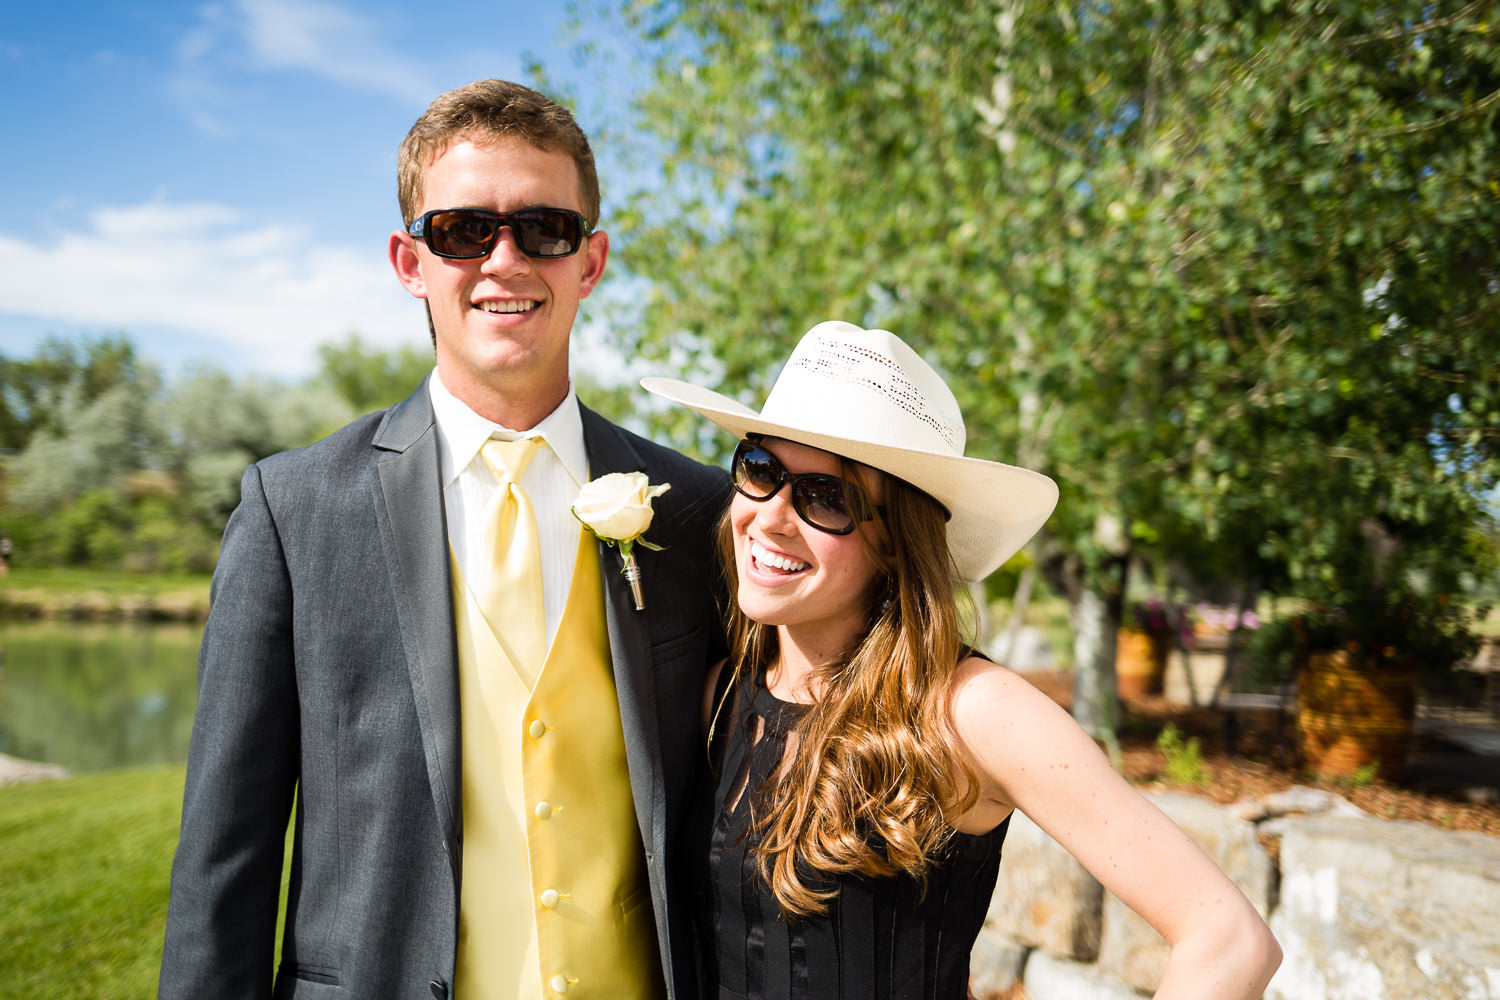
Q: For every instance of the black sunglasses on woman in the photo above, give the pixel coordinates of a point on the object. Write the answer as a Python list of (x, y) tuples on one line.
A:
[(827, 502)]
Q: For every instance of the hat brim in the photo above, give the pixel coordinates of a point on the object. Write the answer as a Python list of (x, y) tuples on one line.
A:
[(994, 508)]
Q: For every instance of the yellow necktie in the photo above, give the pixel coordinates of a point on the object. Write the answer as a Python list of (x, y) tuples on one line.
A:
[(509, 583)]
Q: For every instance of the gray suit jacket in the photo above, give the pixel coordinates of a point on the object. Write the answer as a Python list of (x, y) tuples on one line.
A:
[(328, 677)]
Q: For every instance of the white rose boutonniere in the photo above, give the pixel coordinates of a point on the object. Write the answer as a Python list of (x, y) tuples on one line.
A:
[(617, 509)]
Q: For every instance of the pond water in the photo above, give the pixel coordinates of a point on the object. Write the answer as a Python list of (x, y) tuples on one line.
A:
[(96, 696)]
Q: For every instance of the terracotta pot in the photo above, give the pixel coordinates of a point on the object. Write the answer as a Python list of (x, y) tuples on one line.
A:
[(1351, 715), (1140, 662)]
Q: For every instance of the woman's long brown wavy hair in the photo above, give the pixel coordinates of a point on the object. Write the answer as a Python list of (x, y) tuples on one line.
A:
[(877, 778)]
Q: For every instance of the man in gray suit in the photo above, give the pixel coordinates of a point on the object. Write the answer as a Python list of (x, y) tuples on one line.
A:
[(344, 649)]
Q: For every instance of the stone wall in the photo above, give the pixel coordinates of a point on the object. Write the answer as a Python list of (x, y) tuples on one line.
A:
[(1364, 909)]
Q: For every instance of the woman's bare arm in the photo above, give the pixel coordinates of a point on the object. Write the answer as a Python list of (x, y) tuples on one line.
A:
[(1031, 755)]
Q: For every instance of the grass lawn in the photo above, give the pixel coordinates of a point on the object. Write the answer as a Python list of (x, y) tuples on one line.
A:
[(84, 883), (70, 580), (85, 865)]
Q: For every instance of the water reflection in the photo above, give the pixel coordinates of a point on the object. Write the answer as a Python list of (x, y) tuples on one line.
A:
[(91, 696)]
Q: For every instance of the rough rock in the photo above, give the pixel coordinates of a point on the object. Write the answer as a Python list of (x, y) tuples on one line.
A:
[(1044, 898), (1299, 800), (996, 966), (1378, 910), (1051, 978)]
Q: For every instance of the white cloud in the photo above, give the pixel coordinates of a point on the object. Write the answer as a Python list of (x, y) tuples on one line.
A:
[(195, 77), (332, 42), (323, 40), (205, 270)]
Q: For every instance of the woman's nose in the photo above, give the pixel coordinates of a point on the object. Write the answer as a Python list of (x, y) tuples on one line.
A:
[(776, 514)]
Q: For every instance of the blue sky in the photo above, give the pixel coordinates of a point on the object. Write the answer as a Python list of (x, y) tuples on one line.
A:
[(217, 180)]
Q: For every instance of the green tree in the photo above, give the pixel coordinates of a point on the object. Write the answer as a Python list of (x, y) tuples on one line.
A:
[(36, 393), (1227, 271), (117, 469), (89, 421), (370, 378), (217, 426)]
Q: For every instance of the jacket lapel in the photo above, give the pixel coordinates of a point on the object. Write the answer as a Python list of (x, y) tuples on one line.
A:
[(414, 538), (629, 637)]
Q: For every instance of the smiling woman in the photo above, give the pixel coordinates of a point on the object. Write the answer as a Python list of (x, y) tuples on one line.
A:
[(813, 585), (864, 762)]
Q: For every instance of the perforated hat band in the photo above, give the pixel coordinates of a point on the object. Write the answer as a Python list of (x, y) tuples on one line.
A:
[(877, 390)]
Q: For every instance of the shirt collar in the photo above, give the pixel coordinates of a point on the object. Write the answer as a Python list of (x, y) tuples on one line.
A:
[(462, 432)]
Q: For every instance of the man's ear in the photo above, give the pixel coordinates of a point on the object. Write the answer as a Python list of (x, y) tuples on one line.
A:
[(596, 252), (403, 253)]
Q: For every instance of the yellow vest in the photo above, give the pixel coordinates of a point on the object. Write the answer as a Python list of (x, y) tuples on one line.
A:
[(554, 898)]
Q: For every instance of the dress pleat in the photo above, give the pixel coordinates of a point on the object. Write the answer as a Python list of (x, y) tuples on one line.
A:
[(881, 939)]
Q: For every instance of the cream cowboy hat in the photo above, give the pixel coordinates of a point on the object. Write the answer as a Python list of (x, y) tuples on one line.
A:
[(866, 395)]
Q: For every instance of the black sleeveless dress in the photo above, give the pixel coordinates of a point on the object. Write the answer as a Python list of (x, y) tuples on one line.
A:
[(881, 939)]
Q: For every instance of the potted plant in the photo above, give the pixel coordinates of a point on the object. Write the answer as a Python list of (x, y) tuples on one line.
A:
[(1358, 659), (1142, 645)]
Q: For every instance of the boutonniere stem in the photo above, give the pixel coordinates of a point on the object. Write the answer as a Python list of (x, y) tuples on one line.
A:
[(616, 509), (632, 571)]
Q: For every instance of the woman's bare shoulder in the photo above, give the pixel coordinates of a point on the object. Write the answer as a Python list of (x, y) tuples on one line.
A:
[(1013, 731), (987, 689)]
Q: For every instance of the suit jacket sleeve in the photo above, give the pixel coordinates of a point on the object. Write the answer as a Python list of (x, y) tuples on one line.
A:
[(242, 771)]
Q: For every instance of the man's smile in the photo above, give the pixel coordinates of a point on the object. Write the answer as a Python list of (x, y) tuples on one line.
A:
[(508, 306)]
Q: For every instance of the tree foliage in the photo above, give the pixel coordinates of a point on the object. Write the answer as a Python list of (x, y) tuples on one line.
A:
[(371, 379), (1227, 270), (115, 467), (112, 466), (36, 393)]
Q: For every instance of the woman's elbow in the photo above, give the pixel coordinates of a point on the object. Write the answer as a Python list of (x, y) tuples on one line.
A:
[(1232, 952), (1270, 952), (1258, 951)]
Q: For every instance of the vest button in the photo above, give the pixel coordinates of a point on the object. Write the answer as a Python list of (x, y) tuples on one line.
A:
[(543, 810), (550, 899), (559, 984), (536, 729)]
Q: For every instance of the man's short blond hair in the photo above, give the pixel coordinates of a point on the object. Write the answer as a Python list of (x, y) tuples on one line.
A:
[(487, 111)]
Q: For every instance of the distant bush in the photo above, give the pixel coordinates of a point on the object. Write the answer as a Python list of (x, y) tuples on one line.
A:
[(105, 530)]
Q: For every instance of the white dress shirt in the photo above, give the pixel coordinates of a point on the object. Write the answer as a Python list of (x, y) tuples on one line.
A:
[(552, 480)]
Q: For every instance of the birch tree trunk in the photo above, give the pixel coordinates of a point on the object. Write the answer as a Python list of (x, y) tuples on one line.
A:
[(1095, 705)]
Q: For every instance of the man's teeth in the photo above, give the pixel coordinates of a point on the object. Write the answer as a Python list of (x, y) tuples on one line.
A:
[(766, 557), (508, 306)]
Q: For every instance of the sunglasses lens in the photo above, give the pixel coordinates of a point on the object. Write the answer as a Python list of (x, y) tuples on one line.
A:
[(822, 500), (757, 474), (461, 233), (465, 233), (547, 232)]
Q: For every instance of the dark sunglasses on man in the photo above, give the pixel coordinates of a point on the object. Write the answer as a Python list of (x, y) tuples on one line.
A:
[(467, 233), (827, 502)]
